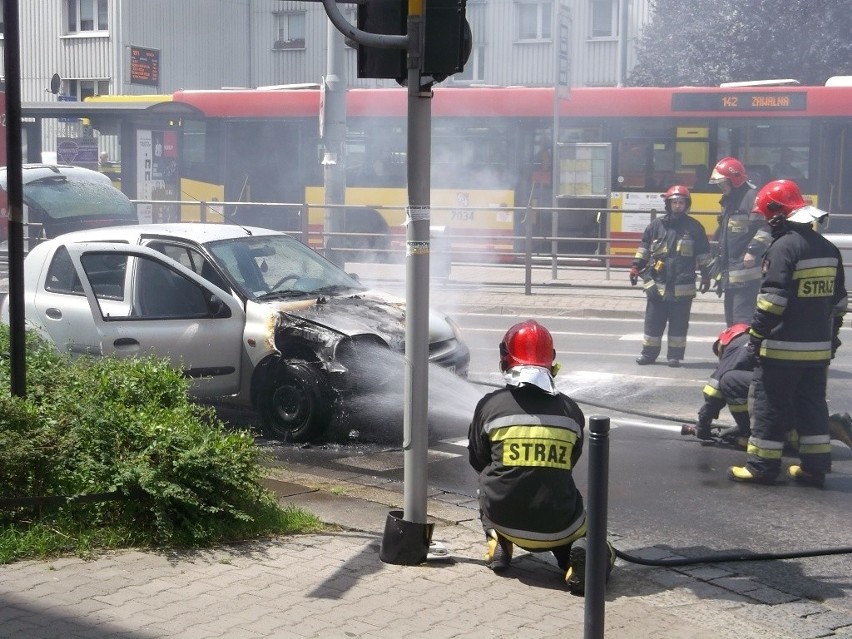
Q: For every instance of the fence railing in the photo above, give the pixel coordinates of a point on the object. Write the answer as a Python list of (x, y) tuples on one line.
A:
[(360, 233), (362, 230)]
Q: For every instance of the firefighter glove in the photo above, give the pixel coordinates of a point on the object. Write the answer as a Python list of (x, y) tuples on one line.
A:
[(705, 284), (719, 288), (753, 353), (703, 425), (634, 275)]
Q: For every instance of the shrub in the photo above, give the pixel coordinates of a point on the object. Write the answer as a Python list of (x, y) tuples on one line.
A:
[(102, 425)]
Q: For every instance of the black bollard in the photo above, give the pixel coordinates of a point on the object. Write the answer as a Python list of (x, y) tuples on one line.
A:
[(596, 516), (404, 543)]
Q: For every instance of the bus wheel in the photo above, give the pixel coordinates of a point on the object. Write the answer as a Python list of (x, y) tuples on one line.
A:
[(296, 405)]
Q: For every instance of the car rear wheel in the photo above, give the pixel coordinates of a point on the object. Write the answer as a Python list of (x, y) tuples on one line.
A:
[(297, 405)]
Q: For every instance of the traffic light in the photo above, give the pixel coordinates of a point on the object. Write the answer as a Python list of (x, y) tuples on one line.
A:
[(447, 45), (448, 39), (386, 17)]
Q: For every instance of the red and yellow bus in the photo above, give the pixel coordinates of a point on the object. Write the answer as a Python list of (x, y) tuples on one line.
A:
[(618, 150)]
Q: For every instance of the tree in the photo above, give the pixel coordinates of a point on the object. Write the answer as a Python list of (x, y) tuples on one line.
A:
[(701, 43)]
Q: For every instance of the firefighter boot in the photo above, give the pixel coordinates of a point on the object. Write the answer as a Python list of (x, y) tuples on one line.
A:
[(499, 554), (575, 576), (748, 476), (802, 476)]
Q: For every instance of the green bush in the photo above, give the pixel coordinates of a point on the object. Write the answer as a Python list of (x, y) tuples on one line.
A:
[(101, 425)]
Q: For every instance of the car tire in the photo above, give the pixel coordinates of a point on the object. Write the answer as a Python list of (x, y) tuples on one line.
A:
[(297, 405)]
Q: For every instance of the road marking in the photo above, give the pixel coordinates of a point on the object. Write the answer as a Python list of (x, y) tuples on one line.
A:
[(455, 442), (631, 320), (616, 422), (629, 337)]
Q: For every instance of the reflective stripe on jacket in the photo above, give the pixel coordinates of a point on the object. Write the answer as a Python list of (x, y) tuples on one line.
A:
[(802, 299)]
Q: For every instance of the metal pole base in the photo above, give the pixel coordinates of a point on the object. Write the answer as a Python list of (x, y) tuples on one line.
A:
[(405, 543)]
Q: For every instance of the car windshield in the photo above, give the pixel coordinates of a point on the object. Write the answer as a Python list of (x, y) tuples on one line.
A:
[(58, 198), (278, 267)]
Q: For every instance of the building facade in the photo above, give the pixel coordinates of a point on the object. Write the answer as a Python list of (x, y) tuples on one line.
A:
[(159, 46)]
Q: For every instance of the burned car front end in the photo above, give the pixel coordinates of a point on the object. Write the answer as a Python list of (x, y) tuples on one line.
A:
[(359, 340), (330, 335)]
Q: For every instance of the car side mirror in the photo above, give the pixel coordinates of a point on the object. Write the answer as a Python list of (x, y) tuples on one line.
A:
[(217, 307)]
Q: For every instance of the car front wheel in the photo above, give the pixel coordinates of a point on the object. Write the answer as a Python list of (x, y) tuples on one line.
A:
[(297, 404)]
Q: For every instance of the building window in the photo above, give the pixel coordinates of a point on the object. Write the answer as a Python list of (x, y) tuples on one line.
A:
[(534, 20), (291, 30), (87, 15), (79, 90), (604, 18), (2, 22)]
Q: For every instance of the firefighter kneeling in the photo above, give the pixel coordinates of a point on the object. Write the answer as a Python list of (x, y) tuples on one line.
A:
[(524, 441), (728, 384)]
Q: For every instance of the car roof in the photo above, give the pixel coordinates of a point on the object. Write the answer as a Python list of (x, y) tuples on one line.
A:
[(32, 172), (194, 231)]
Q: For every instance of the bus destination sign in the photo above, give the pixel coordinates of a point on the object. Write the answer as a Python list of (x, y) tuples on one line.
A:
[(145, 66), (740, 101)]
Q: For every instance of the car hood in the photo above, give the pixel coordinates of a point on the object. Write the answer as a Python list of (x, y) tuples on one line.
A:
[(368, 312)]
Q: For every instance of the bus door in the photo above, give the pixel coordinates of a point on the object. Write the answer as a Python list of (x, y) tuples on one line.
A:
[(650, 158), (835, 165), (582, 197)]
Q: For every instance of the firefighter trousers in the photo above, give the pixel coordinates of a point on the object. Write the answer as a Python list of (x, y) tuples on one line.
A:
[(787, 398), (659, 312), (734, 385)]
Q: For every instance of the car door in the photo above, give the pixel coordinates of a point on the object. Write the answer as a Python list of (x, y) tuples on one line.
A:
[(143, 303)]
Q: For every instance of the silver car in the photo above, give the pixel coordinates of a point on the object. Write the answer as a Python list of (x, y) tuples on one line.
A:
[(247, 313), (60, 198)]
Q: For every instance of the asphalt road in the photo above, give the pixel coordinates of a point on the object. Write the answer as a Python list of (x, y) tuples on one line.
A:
[(664, 489)]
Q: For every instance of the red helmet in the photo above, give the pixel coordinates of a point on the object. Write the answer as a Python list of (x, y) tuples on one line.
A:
[(527, 343), (677, 191), (727, 336), (729, 169), (778, 198)]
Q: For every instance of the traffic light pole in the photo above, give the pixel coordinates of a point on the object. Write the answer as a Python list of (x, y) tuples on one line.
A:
[(407, 534), (333, 133), (418, 221)]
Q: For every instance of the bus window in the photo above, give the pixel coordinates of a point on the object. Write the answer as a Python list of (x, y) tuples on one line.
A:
[(375, 154), (473, 155), (265, 162), (655, 156), (770, 149), (200, 146)]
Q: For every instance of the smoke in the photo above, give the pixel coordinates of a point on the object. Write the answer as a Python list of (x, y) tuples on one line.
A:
[(377, 415)]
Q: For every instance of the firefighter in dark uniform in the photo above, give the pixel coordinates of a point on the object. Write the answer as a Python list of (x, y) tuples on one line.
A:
[(524, 441), (728, 385), (671, 248), (793, 337), (742, 239)]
